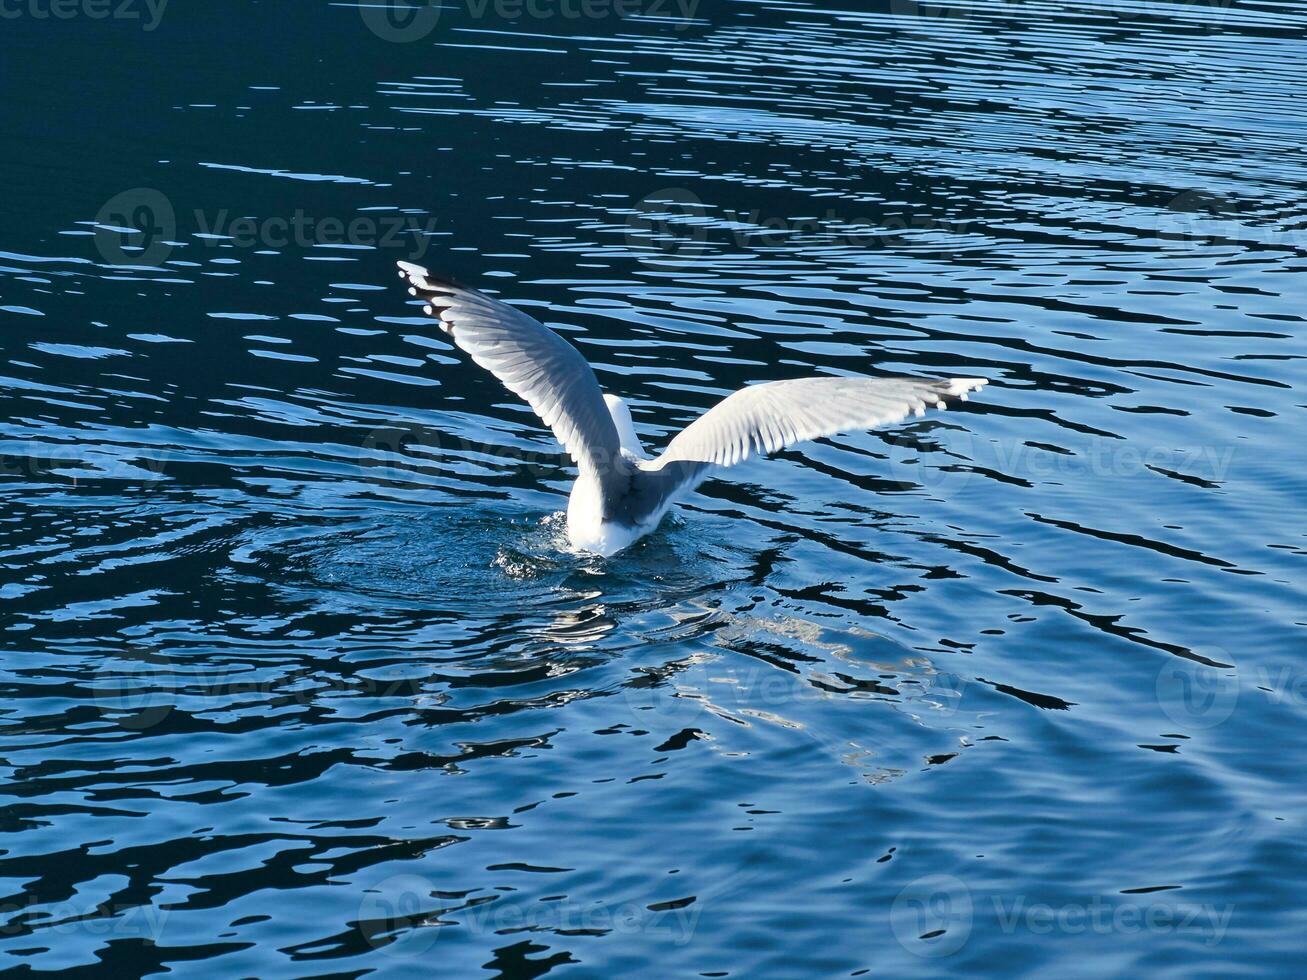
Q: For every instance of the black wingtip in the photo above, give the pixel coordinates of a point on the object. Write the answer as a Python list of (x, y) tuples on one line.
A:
[(417, 275), (433, 290)]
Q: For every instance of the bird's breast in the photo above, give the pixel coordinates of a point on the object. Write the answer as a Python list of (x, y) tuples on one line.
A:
[(587, 528)]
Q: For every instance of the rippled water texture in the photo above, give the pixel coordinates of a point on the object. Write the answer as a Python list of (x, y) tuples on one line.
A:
[(299, 678)]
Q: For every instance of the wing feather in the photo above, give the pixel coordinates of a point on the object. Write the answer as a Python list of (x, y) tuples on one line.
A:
[(536, 364), (767, 417)]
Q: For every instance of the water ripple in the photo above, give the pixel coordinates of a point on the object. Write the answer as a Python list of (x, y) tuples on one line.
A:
[(290, 611)]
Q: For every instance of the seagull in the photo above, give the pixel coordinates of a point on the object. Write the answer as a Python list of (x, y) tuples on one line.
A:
[(621, 493)]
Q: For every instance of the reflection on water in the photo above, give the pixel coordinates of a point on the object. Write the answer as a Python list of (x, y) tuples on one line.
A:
[(290, 620)]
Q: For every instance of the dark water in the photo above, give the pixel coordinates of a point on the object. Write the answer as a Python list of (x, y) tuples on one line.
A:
[(297, 678)]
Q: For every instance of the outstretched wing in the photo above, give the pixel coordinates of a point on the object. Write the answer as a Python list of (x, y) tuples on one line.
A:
[(767, 417), (535, 363)]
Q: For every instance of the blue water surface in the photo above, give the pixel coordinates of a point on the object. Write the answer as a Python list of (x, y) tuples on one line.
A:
[(299, 677)]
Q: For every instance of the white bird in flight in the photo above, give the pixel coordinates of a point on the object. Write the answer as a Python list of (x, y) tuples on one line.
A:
[(621, 493)]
